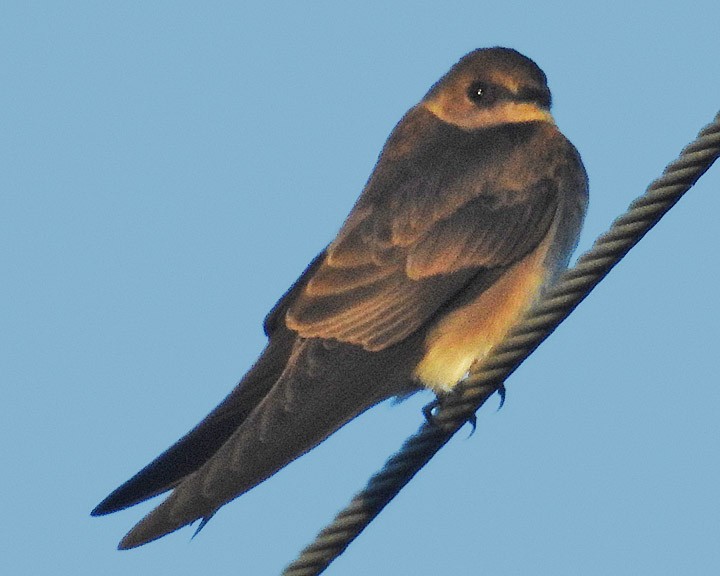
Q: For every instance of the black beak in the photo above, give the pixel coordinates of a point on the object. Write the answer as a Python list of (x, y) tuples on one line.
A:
[(540, 96)]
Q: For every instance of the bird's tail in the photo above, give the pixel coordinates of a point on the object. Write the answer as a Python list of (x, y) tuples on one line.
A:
[(322, 388), (198, 445)]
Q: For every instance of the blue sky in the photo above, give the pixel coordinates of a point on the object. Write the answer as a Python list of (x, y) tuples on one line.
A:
[(167, 169)]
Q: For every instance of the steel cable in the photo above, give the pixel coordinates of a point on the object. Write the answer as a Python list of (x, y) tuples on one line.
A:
[(571, 289)]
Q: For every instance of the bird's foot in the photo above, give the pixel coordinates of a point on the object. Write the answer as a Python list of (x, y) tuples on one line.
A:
[(430, 409), (473, 424), (502, 391)]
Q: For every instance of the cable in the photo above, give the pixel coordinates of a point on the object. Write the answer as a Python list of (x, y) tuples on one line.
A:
[(454, 411)]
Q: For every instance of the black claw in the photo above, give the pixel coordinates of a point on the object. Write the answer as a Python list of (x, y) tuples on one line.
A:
[(428, 411), (501, 392), (473, 422)]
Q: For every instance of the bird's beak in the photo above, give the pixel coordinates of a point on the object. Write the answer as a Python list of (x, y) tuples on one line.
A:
[(538, 96)]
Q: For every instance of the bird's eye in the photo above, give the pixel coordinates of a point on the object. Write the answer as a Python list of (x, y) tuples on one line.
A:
[(481, 94)]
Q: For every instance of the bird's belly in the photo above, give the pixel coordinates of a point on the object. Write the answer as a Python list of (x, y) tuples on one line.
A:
[(467, 334)]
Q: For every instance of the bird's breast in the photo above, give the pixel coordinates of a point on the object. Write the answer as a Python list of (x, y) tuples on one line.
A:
[(467, 334)]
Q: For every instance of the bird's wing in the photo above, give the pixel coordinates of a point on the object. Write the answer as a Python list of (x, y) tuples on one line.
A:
[(413, 242)]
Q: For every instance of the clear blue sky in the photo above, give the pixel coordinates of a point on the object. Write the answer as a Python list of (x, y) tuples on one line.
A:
[(166, 171)]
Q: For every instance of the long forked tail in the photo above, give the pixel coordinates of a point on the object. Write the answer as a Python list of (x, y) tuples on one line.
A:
[(198, 445), (319, 392)]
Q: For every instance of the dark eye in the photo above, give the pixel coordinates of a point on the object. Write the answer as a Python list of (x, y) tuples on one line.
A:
[(482, 94)]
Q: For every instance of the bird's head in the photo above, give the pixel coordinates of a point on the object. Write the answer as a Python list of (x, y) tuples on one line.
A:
[(490, 87)]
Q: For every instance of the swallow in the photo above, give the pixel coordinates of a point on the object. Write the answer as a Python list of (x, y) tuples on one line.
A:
[(473, 208)]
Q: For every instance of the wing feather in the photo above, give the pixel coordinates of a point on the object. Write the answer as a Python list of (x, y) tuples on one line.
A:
[(429, 223)]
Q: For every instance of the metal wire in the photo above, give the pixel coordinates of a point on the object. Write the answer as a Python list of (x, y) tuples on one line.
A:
[(571, 289)]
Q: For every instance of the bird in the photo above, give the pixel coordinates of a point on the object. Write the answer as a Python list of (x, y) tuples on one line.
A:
[(472, 210)]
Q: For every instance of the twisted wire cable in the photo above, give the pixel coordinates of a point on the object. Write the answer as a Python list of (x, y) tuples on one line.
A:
[(557, 303)]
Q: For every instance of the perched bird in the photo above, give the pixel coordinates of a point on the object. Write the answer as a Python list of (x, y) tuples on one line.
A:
[(474, 206)]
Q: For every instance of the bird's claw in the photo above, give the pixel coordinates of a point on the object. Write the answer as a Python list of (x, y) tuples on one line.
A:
[(428, 412), (502, 391), (473, 423)]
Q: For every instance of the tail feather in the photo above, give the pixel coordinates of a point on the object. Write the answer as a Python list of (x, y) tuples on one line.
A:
[(317, 394), (197, 446)]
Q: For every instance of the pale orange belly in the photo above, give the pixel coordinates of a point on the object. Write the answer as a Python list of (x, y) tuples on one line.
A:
[(467, 334)]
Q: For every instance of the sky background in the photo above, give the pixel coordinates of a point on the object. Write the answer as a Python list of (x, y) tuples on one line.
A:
[(167, 169)]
